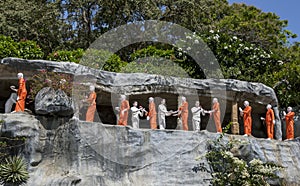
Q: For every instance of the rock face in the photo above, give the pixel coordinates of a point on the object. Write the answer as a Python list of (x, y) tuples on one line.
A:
[(139, 86), (24, 125), (82, 153), (51, 102)]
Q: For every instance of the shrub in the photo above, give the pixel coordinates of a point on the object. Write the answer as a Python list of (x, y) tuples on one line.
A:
[(65, 55), (24, 49), (13, 171), (103, 60), (50, 79), (226, 169)]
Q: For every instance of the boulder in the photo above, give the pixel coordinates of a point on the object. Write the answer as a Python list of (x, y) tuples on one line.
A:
[(24, 125), (51, 102)]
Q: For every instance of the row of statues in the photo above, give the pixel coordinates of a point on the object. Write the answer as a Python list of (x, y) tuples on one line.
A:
[(197, 111), (19, 95)]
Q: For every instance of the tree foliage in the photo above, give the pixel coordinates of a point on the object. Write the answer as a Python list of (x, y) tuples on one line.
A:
[(23, 49), (248, 43)]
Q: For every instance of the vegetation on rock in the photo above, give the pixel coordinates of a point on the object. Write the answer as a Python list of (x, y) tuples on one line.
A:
[(226, 168)]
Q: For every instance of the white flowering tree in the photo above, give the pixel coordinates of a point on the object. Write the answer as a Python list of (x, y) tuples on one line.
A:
[(227, 169), (238, 59)]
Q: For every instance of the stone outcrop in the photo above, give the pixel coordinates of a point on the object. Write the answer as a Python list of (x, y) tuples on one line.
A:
[(19, 125), (140, 86), (82, 153), (51, 102)]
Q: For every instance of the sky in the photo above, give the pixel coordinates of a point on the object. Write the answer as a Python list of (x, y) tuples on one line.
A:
[(285, 9)]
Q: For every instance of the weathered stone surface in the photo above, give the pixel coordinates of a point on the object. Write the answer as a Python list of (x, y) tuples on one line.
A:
[(83, 153), (25, 125), (51, 102), (144, 83)]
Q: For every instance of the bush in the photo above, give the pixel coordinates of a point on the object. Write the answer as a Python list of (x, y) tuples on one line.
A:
[(50, 79), (13, 171), (227, 169), (23, 49), (153, 60), (103, 60), (65, 55)]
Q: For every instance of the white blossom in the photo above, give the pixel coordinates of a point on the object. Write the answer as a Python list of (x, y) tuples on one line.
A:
[(188, 48), (211, 31), (196, 41), (234, 37)]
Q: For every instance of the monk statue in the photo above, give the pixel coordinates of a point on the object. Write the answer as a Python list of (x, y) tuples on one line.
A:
[(123, 111), (136, 113), (216, 113), (21, 94), (270, 121), (197, 111), (91, 100), (246, 114), (183, 113), (162, 113), (289, 120), (11, 100), (151, 115)]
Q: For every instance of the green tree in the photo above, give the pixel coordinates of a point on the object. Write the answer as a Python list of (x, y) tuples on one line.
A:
[(249, 23), (36, 20)]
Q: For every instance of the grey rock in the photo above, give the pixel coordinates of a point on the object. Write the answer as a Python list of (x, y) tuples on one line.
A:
[(98, 154), (84, 153), (51, 102), (24, 125), (140, 86)]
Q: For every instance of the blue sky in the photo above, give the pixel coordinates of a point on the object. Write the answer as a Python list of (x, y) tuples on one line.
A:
[(285, 9)]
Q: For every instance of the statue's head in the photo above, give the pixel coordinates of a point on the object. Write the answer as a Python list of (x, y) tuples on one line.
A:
[(135, 103), (197, 103), (163, 101), (289, 109), (183, 98), (151, 99), (122, 97), (246, 103), (92, 88), (215, 100), (269, 106), (20, 75)]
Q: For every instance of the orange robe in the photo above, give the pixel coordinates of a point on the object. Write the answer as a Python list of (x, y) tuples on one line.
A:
[(90, 113), (124, 116), (22, 92), (247, 120), (289, 120), (152, 114), (216, 114), (184, 108), (269, 123)]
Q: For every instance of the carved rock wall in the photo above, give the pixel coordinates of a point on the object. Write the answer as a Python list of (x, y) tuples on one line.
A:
[(140, 86), (82, 153)]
